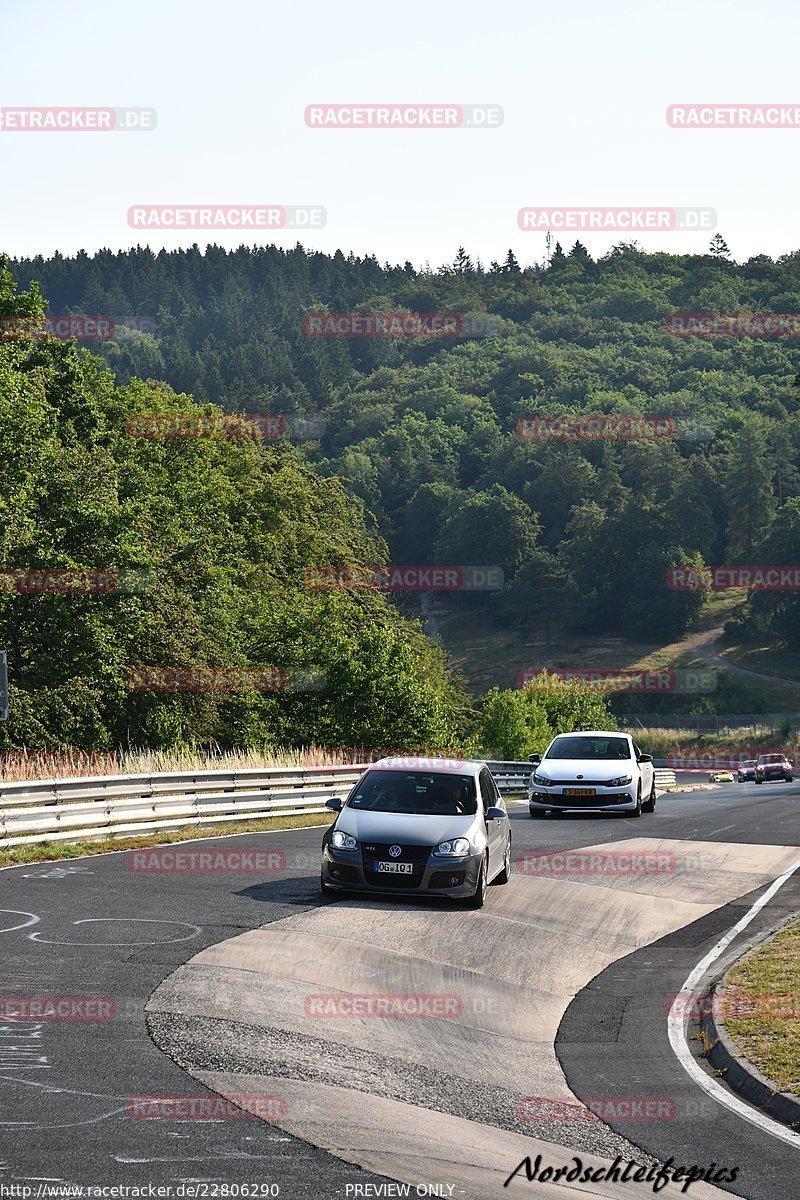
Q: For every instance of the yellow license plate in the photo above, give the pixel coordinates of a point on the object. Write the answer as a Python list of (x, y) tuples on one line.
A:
[(580, 791)]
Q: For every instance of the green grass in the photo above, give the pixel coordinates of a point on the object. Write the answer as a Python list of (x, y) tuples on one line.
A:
[(771, 1042), (776, 660), (489, 653), (47, 851)]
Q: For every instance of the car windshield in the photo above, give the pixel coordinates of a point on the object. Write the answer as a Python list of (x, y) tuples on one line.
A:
[(750, 763), (585, 746), (417, 793), (771, 758)]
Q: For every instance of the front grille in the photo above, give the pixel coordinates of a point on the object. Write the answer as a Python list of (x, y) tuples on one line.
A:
[(380, 851), (373, 852), (578, 783), (586, 801), (392, 881)]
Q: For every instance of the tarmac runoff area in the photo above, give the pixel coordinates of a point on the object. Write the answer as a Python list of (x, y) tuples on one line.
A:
[(440, 1101)]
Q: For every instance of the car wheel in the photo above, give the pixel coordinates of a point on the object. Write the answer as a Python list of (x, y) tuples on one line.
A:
[(537, 812), (789, 778), (636, 812), (479, 899), (505, 871), (650, 803), (759, 781)]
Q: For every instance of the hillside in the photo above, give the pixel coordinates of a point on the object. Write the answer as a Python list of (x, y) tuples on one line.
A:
[(429, 433)]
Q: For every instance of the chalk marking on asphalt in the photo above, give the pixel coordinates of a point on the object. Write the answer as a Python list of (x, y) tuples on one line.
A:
[(197, 929), (19, 913), (677, 1026)]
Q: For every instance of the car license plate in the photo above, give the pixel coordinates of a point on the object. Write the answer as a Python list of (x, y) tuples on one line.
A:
[(394, 868), (580, 791)]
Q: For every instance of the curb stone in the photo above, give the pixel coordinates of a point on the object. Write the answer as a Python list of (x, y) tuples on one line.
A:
[(741, 1076)]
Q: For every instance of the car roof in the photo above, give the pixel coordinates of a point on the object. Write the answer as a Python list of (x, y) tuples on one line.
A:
[(414, 762), (593, 733)]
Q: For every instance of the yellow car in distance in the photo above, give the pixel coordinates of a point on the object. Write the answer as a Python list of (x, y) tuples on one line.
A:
[(720, 777)]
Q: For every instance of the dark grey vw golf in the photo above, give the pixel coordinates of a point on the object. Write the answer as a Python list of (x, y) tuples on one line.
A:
[(415, 826)]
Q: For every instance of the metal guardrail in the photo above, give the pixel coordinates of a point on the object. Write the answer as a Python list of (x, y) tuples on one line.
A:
[(707, 722), (64, 810), (109, 806)]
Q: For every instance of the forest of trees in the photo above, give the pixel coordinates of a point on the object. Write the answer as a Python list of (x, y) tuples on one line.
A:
[(423, 430), (415, 458)]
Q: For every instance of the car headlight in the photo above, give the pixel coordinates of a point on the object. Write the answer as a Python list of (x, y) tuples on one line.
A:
[(343, 841), (540, 780), (622, 781), (455, 848)]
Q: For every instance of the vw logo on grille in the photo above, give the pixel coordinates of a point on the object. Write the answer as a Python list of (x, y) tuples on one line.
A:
[(395, 851), (580, 777)]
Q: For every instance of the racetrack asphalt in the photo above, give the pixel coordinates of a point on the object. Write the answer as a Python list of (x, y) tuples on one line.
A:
[(563, 980)]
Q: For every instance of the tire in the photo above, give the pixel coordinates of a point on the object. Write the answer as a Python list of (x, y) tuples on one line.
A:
[(649, 805), (537, 813), (789, 778), (636, 812), (505, 871), (479, 899), (759, 781)]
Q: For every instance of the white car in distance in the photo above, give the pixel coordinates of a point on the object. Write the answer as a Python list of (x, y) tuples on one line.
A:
[(592, 770)]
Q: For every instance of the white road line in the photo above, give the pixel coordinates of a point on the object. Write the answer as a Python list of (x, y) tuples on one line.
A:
[(677, 1026)]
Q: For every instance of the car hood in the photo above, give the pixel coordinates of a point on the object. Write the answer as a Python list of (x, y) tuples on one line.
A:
[(398, 827), (571, 768)]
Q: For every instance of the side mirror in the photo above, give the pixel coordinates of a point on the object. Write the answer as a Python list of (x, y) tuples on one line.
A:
[(645, 758), (495, 813), (534, 758), (335, 803)]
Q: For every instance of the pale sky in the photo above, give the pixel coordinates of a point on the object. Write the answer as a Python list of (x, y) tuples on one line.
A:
[(584, 89)]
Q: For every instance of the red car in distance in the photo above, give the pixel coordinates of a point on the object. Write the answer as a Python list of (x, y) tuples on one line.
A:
[(773, 766)]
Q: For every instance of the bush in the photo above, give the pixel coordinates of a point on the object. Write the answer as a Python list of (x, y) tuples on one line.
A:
[(514, 724)]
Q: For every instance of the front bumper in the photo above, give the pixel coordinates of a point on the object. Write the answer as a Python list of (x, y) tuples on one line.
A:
[(773, 776), (347, 871), (605, 799)]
